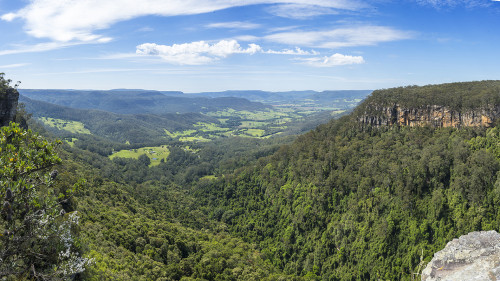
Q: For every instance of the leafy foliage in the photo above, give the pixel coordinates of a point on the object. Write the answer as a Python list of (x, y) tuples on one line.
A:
[(37, 235)]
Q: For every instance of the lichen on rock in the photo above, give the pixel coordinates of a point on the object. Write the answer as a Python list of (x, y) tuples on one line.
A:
[(475, 256)]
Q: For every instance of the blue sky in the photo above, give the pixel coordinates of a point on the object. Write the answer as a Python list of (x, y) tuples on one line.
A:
[(215, 45)]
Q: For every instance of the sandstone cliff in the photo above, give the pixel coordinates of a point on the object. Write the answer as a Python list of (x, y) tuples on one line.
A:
[(475, 256), (444, 105), (8, 105), (433, 115)]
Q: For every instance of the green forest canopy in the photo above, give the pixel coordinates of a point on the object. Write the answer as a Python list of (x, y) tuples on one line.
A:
[(340, 203)]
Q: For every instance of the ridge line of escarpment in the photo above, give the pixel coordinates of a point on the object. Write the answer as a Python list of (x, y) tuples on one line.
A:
[(466, 104)]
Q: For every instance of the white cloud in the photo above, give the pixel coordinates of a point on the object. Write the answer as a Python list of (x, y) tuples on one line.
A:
[(340, 37), (196, 53), (333, 60), (234, 25), (296, 52), (77, 20), (8, 17), (201, 52), (300, 11)]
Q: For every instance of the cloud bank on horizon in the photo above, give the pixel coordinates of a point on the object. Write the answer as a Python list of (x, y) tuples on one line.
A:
[(273, 33)]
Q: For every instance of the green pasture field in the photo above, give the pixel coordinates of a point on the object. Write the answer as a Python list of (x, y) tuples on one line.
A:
[(255, 132), (209, 127), (70, 126), (155, 153), (194, 139), (257, 124), (209, 177), (70, 141)]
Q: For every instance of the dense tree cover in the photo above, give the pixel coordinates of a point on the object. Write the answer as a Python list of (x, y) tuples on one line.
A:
[(148, 227), (342, 202), (345, 203), (456, 96), (136, 223), (37, 223)]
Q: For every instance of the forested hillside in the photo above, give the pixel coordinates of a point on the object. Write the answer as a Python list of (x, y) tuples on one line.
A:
[(134, 128), (345, 201), (351, 202)]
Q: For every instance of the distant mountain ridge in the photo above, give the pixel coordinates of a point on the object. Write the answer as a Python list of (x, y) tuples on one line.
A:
[(288, 96), (127, 101), (139, 102)]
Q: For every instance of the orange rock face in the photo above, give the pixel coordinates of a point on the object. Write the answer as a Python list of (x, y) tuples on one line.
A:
[(433, 115)]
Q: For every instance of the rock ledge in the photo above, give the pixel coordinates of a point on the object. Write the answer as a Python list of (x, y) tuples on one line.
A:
[(475, 256)]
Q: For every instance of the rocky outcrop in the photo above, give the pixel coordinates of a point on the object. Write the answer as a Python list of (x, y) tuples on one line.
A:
[(433, 115), (8, 105), (475, 256)]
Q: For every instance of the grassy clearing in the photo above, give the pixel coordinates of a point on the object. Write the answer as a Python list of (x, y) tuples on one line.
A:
[(187, 148), (155, 154), (209, 177), (254, 124), (249, 115), (209, 127), (60, 124), (70, 141), (335, 112), (255, 132), (194, 139)]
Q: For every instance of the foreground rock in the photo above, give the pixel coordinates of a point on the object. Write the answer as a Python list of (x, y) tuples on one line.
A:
[(475, 256)]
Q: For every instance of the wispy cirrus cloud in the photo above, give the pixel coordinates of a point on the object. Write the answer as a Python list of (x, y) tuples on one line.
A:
[(340, 37), (301, 11), (453, 3), (76, 20), (41, 47), (15, 65), (333, 60), (234, 25)]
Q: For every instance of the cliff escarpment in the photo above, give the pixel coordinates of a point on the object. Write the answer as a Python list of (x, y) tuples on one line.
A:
[(433, 115), (447, 105), (9, 97)]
